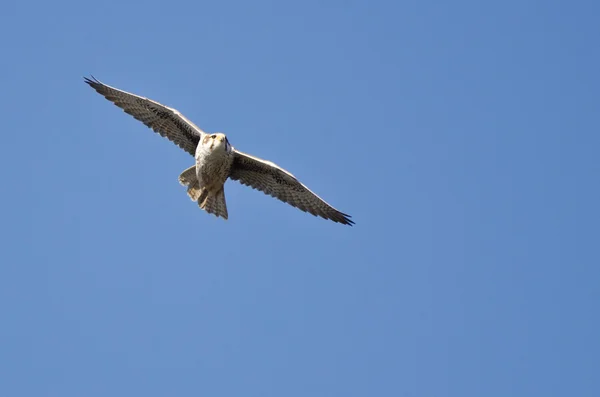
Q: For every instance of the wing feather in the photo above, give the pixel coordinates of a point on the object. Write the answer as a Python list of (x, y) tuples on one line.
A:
[(275, 181), (166, 121)]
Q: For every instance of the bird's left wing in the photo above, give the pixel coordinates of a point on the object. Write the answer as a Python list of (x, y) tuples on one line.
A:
[(277, 182), (166, 121)]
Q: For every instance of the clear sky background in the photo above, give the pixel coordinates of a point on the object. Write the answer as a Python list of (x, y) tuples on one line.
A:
[(462, 137)]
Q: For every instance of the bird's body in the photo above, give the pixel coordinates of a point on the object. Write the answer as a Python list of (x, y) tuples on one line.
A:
[(217, 160), (214, 158)]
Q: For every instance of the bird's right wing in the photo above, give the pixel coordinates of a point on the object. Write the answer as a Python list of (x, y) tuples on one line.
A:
[(164, 120), (277, 182)]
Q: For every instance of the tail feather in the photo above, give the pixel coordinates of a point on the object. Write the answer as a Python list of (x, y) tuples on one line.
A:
[(188, 178), (214, 203)]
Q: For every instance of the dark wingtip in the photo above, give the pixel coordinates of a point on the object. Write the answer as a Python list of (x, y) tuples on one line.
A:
[(348, 221), (93, 82), (344, 219)]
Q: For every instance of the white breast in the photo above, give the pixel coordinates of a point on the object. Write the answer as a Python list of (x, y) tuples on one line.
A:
[(212, 166)]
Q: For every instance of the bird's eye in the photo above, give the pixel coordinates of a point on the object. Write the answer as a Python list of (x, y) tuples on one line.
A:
[(213, 136)]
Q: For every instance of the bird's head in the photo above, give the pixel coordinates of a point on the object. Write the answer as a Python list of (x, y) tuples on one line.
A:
[(216, 141)]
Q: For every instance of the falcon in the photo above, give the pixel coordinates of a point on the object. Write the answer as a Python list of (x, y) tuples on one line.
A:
[(217, 160)]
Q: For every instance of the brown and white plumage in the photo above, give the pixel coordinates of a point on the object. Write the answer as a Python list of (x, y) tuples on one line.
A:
[(217, 160), (164, 120), (277, 182)]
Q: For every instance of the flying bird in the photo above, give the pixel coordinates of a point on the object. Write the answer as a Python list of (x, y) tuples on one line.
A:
[(217, 160)]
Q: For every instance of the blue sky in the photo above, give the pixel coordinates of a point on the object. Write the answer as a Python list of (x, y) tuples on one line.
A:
[(461, 136)]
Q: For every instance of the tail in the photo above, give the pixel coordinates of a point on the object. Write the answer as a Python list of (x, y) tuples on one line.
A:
[(188, 178), (213, 203)]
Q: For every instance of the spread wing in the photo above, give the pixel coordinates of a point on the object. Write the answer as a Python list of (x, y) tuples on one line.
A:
[(164, 120), (277, 182)]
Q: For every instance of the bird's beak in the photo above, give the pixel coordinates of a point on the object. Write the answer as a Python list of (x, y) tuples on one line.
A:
[(222, 138)]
